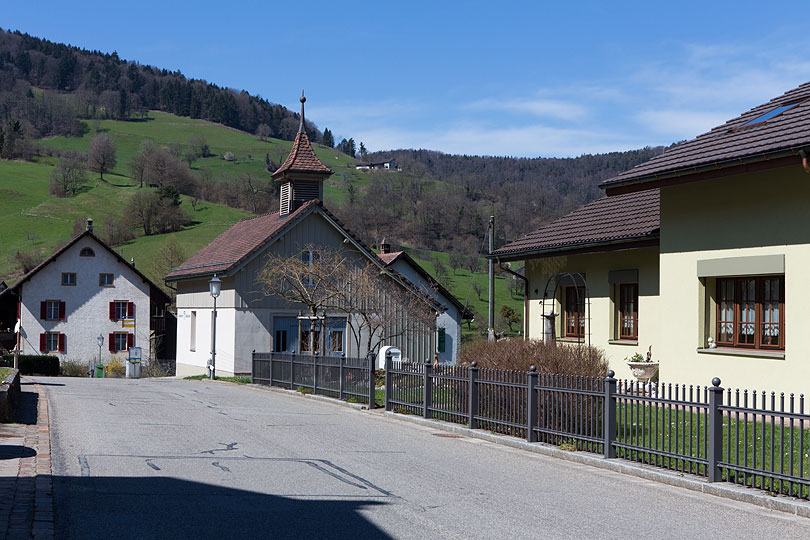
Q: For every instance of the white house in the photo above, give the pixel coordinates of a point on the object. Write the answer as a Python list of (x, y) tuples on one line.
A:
[(248, 320), (83, 291)]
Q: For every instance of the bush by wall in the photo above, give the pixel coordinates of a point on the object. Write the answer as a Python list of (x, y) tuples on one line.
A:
[(561, 358), (35, 364), (73, 368)]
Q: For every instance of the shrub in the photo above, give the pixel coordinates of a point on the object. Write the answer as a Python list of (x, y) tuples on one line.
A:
[(115, 368), (31, 364), (157, 368), (73, 368), (548, 357)]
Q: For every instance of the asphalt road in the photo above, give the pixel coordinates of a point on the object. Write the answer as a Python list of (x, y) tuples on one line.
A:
[(188, 459)]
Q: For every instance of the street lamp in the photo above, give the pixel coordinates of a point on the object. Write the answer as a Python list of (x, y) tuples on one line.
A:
[(214, 286), (100, 340)]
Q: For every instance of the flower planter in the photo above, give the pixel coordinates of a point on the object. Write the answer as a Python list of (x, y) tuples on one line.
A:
[(644, 371)]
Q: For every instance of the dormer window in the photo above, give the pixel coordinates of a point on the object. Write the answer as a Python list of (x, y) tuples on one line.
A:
[(770, 114), (87, 252)]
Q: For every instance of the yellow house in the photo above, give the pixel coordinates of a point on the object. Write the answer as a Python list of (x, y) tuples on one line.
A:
[(731, 259)]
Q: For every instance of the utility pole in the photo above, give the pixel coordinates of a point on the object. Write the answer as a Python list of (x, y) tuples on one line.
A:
[(491, 314)]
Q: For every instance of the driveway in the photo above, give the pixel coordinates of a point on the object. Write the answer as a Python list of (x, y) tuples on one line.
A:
[(189, 459)]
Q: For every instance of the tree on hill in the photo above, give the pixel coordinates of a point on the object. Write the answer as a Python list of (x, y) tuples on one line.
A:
[(328, 138), (262, 132), (363, 151), (68, 175), (101, 157), (347, 147), (509, 316), (170, 256)]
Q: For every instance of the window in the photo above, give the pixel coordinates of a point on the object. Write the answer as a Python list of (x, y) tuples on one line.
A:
[(770, 114), (52, 342), (87, 252), (52, 310), (628, 311), (121, 309), (193, 334), (575, 312), (280, 343), (105, 280), (336, 341), (751, 312), (68, 278), (121, 341), (309, 258), (441, 340)]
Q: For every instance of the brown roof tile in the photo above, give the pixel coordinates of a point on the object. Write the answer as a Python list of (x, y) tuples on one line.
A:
[(605, 221), (388, 258), (302, 158), (241, 240), (730, 143)]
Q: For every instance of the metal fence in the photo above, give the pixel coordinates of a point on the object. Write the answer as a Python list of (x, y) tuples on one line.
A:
[(345, 378), (745, 438)]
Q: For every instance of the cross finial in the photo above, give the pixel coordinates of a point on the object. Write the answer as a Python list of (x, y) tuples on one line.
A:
[(302, 100)]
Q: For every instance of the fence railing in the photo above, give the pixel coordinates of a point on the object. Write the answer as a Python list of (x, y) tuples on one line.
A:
[(745, 438), (340, 377)]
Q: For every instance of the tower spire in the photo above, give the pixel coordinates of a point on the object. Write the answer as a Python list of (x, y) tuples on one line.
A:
[(301, 125)]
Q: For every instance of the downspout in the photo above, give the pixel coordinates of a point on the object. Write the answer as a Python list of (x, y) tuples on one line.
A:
[(525, 297), (806, 166)]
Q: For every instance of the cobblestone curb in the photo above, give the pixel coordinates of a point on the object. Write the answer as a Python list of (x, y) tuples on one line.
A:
[(26, 501)]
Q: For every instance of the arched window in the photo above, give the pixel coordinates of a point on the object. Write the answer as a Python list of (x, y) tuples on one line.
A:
[(87, 252)]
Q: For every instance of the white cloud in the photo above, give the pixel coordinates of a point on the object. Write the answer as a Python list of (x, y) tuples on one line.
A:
[(544, 108), (679, 124)]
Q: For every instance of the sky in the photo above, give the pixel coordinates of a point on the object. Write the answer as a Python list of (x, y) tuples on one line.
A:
[(510, 79)]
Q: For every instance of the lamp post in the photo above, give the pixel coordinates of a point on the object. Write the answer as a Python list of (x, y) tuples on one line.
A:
[(214, 286), (100, 340)]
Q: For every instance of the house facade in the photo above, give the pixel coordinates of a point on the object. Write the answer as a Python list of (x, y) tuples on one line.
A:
[(247, 318), (83, 291), (733, 243)]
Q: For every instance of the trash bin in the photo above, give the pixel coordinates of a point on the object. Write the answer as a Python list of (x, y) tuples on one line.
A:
[(100, 371), (133, 369)]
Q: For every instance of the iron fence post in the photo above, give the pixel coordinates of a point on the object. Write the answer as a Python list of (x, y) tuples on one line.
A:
[(371, 386), (610, 415), (253, 367), (271, 369), (427, 397), (314, 374), (340, 375), (531, 403), (472, 390), (292, 371), (715, 431), (388, 389)]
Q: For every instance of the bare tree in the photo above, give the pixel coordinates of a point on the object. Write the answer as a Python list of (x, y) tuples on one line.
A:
[(170, 256), (478, 289), (199, 146), (142, 210), (68, 175), (101, 157), (456, 261), (263, 131)]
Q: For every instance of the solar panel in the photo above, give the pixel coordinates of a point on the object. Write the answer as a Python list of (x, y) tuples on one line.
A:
[(770, 114)]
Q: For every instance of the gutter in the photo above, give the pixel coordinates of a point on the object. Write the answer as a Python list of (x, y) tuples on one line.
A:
[(517, 255), (756, 158), (525, 296)]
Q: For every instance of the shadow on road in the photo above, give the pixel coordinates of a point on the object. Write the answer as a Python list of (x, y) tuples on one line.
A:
[(163, 507), (14, 451)]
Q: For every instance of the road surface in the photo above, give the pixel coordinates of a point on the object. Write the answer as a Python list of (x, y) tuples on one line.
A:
[(147, 459)]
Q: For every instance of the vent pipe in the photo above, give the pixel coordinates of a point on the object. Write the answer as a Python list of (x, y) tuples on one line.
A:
[(90, 225)]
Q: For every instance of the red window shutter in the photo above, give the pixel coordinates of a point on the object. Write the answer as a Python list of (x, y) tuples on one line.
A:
[(111, 342), (61, 311), (43, 310), (61, 342), (130, 340), (112, 311), (42, 343), (19, 309), (130, 310)]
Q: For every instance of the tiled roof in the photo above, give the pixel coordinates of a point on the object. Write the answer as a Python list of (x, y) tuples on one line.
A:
[(241, 240), (388, 258), (302, 158), (732, 143), (608, 220)]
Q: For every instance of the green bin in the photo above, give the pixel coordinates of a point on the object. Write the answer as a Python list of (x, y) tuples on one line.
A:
[(100, 371)]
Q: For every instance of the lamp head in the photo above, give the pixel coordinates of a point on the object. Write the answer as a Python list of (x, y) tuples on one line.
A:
[(215, 286), (100, 340)]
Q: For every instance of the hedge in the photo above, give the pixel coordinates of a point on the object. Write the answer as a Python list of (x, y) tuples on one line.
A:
[(35, 364)]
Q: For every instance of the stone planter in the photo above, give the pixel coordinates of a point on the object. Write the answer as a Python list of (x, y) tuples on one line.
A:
[(644, 371)]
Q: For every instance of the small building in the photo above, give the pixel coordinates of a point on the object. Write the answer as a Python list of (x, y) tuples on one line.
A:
[(247, 318), (82, 291), (383, 164)]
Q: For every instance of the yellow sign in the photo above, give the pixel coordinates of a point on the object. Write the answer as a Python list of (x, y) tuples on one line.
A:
[(128, 323)]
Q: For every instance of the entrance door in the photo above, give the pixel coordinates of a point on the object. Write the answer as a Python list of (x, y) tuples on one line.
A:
[(285, 334)]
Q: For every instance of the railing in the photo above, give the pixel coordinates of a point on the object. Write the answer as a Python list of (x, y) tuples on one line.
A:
[(344, 378), (683, 428)]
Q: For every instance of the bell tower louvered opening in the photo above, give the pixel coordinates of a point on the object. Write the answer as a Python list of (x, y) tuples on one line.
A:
[(302, 174)]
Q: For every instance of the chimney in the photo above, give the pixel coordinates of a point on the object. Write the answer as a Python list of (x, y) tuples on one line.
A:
[(385, 248), (90, 225)]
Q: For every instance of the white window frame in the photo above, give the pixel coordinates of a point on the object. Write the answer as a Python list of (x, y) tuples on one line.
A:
[(66, 279), (118, 336), (102, 279), (52, 341), (52, 310)]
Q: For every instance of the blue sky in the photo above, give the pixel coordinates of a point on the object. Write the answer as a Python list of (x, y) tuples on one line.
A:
[(514, 78)]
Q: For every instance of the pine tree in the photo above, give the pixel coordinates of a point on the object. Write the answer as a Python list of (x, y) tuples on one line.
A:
[(328, 138)]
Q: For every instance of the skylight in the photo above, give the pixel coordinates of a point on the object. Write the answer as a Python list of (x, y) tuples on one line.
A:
[(770, 114)]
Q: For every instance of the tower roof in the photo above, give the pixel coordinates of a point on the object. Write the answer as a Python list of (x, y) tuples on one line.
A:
[(302, 157)]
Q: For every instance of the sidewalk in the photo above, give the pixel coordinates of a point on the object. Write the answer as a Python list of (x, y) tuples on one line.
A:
[(26, 487)]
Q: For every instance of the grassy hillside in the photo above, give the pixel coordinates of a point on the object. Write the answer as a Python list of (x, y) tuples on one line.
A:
[(31, 219)]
